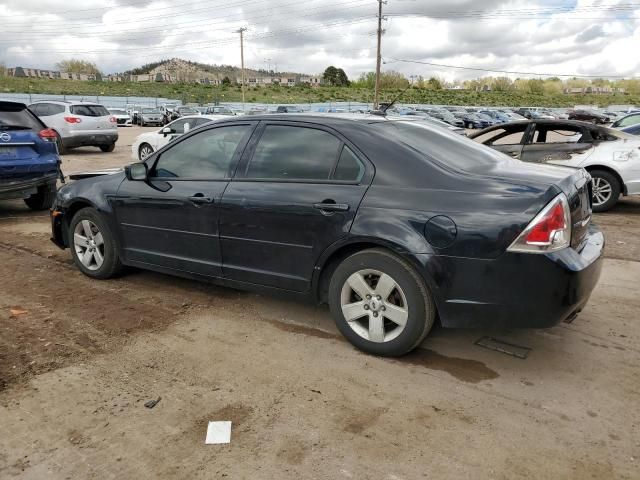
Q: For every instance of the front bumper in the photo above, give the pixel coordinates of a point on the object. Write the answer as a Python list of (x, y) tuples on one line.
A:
[(517, 289)]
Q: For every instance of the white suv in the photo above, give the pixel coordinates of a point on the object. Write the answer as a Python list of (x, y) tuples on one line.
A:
[(78, 124)]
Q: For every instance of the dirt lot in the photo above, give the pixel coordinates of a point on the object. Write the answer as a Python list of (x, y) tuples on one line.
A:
[(79, 358)]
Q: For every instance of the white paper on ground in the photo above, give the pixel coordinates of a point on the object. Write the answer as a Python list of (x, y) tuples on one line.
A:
[(218, 432)]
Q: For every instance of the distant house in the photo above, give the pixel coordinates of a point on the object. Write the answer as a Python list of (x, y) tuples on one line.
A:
[(593, 90)]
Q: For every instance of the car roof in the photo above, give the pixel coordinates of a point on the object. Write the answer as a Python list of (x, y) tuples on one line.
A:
[(11, 102), (67, 102), (321, 118)]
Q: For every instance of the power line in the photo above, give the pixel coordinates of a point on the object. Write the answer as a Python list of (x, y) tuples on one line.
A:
[(477, 69)]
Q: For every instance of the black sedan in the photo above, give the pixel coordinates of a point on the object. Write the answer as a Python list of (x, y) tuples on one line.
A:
[(394, 223)]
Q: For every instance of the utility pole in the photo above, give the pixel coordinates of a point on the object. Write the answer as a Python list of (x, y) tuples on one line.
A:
[(241, 32), (376, 95)]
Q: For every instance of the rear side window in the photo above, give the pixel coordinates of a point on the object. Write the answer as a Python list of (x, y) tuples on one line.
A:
[(300, 153), (628, 121), (565, 134), (89, 110), (15, 116), (349, 168)]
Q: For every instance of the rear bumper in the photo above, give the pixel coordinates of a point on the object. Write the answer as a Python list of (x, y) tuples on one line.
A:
[(517, 289), (90, 139), (25, 187)]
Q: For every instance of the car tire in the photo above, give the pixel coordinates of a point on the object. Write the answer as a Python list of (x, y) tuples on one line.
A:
[(101, 263), (404, 295), (61, 148), (43, 200), (606, 190), (108, 148), (142, 148)]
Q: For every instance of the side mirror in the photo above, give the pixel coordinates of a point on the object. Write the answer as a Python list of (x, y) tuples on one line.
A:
[(136, 171), (167, 131)]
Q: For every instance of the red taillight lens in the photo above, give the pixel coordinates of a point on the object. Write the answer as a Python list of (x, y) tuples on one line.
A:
[(48, 134), (72, 119), (549, 231), (113, 119), (542, 231)]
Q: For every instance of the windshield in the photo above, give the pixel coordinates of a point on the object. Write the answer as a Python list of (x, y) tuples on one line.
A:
[(187, 111), (442, 145), (115, 111), (150, 110)]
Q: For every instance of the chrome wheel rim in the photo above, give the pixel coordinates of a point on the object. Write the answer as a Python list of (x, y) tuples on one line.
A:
[(374, 306), (602, 191), (145, 151), (88, 244)]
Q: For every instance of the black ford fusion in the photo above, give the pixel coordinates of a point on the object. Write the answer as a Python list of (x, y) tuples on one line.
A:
[(393, 223)]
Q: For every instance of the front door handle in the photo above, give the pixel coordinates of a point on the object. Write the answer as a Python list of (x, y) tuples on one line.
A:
[(331, 207), (514, 154), (200, 198)]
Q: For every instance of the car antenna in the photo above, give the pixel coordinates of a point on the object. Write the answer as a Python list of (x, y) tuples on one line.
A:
[(383, 110)]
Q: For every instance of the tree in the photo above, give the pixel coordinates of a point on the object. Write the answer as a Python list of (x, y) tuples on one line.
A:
[(434, 84), (77, 66), (501, 84), (341, 78), (335, 77), (536, 86), (3, 69), (226, 81), (393, 79)]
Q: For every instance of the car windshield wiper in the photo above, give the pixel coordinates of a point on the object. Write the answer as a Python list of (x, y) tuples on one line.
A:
[(14, 127)]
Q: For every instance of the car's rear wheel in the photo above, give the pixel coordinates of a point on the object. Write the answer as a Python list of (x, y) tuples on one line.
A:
[(380, 304), (93, 245), (43, 200), (61, 148), (108, 148), (144, 151), (606, 190)]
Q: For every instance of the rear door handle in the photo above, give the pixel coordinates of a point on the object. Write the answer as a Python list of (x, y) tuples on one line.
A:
[(331, 207), (200, 198)]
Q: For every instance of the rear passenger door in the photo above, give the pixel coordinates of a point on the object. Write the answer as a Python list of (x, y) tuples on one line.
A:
[(295, 193), (562, 144)]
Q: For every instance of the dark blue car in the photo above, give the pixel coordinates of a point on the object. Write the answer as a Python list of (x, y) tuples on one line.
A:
[(29, 160)]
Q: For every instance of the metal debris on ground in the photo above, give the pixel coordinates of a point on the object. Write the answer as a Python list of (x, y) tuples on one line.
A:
[(503, 347), (218, 432), (152, 403)]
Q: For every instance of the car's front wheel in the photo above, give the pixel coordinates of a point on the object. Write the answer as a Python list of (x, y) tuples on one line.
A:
[(93, 245), (144, 151), (606, 190), (380, 304)]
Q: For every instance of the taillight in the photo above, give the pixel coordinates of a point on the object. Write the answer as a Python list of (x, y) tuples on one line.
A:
[(549, 231), (72, 119), (112, 119), (48, 134)]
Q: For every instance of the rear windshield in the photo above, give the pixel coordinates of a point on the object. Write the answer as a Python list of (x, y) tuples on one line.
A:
[(441, 145), (89, 110), (14, 116)]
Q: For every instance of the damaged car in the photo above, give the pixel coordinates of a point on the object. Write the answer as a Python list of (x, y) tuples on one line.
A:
[(396, 224), (611, 157)]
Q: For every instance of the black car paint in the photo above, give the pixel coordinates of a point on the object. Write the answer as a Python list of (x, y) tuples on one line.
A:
[(272, 237)]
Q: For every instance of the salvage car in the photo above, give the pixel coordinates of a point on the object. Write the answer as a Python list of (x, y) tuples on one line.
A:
[(123, 119), (610, 156), (394, 223), (29, 161), (589, 116), (147, 143), (78, 124)]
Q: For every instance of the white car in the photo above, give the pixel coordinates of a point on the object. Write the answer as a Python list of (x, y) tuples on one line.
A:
[(611, 157), (123, 119), (147, 143)]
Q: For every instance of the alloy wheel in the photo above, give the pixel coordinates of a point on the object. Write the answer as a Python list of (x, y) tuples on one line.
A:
[(602, 191), (374, 305), (89, 244), (145, 151)]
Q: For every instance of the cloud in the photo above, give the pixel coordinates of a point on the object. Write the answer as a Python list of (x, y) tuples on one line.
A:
[(583, 37)]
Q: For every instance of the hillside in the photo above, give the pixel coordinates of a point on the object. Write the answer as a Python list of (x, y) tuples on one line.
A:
[(188, 71), (197, 93)]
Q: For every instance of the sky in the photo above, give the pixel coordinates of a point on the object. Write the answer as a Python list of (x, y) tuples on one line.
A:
[(583, 37)]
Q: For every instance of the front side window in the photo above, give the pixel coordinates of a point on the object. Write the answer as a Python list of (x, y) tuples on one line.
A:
[(628, 121), (207, 155), (288, 153)]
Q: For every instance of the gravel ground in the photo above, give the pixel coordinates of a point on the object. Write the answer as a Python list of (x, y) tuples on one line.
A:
[(79, 358)]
